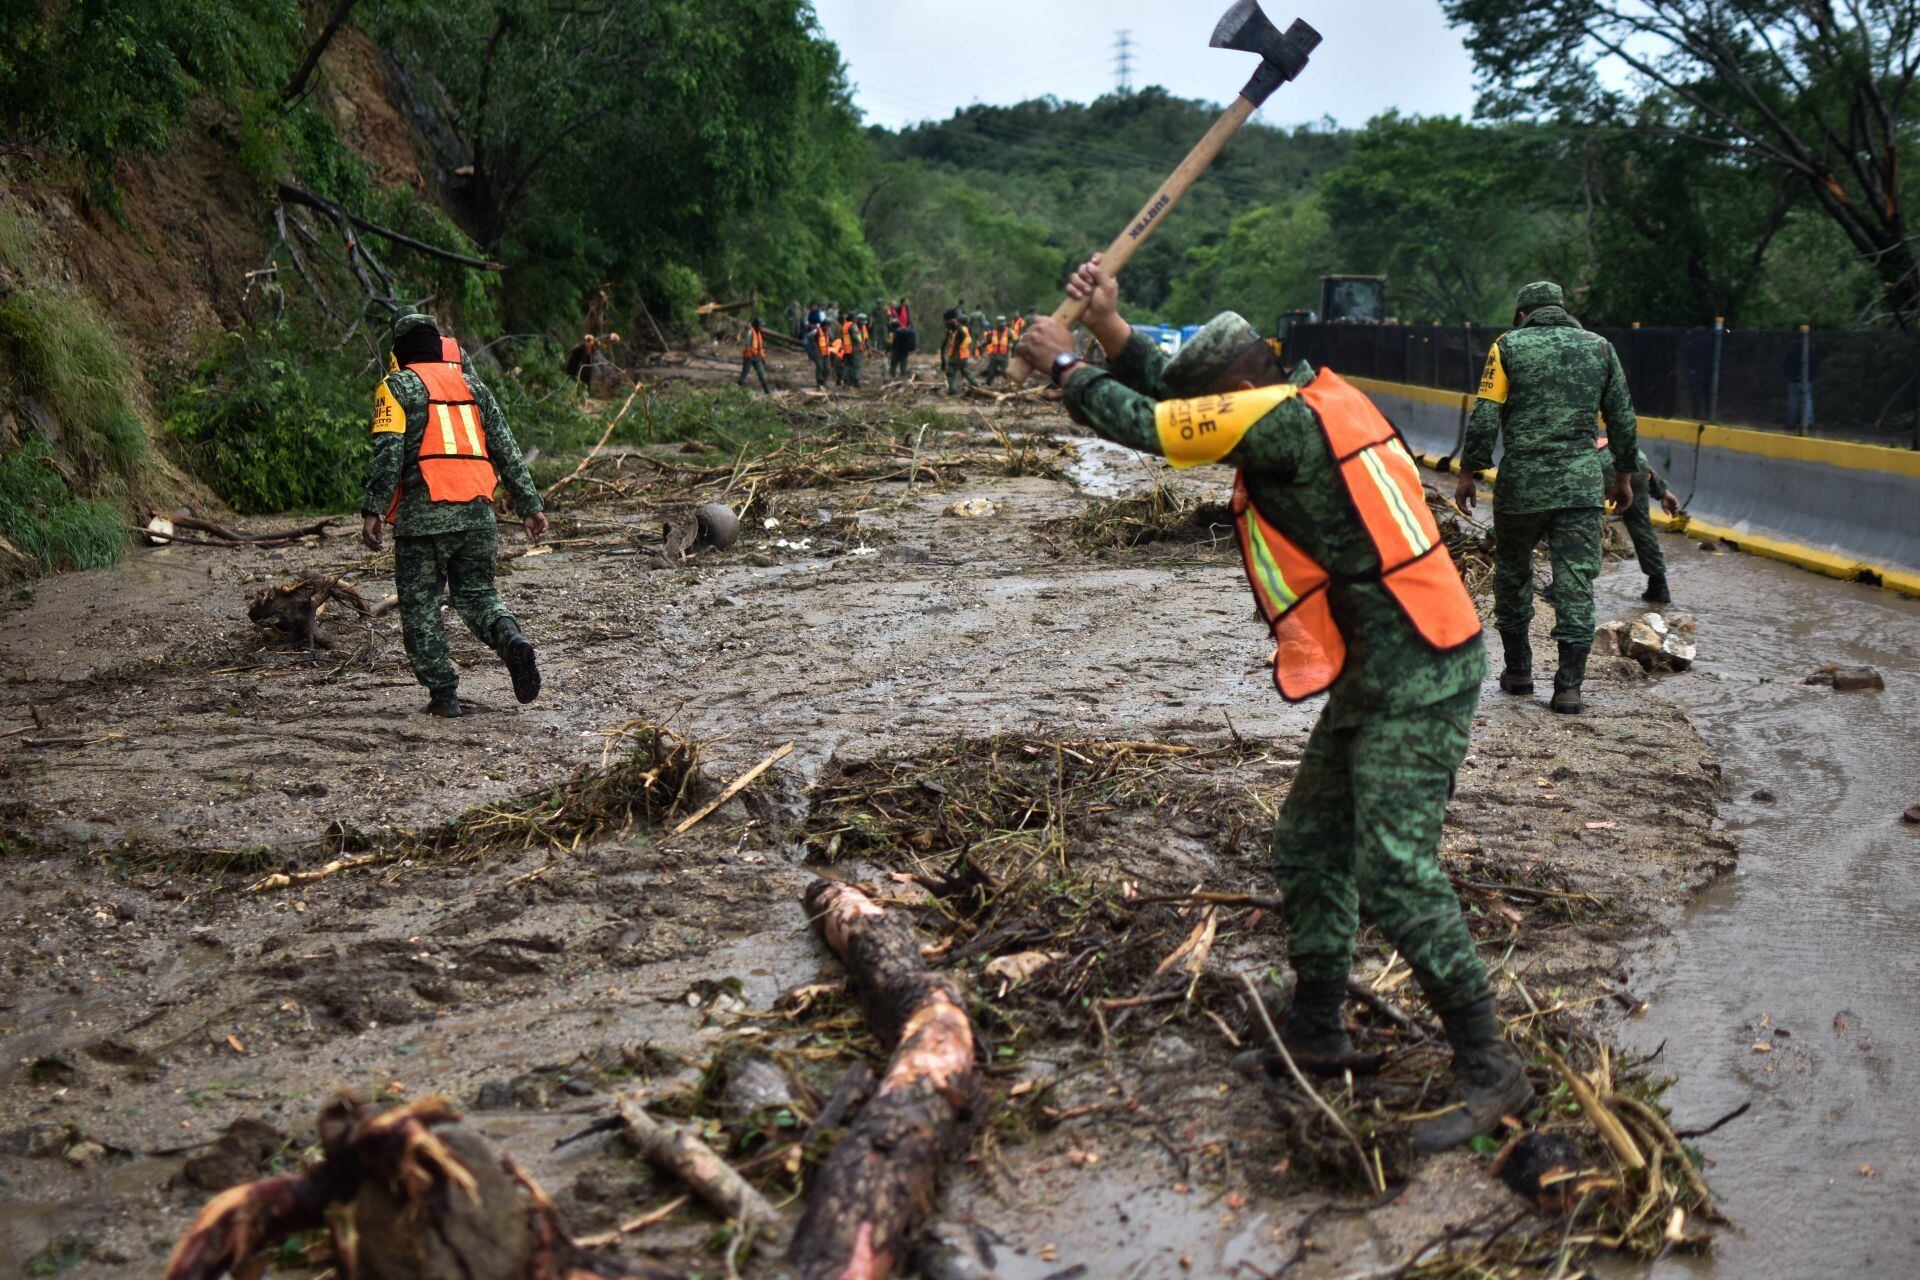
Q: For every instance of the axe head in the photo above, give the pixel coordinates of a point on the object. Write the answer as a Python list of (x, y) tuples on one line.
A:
[(1283, 54)]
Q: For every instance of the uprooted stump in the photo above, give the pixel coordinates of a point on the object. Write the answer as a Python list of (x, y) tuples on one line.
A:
[(405, 1194), (292, 610), (878, 1182)]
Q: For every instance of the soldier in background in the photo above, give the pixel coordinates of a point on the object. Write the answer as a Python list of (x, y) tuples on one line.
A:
[(440, 446), (999, 346), (900, 349), (820, 350), (855, 335), (956, 353), (753, 355), (1638, 519), (1547, 382)]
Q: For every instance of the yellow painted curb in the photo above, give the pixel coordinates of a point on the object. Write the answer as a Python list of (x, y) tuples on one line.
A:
[(1826, 563), (1408, 391)]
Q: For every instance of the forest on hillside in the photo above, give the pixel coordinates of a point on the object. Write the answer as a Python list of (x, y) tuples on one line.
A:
[(565, 166)]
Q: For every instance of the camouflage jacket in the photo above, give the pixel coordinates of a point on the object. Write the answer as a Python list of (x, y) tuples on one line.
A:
[(1656, 483), (1545, 388), (1291, 479), (399, 422)]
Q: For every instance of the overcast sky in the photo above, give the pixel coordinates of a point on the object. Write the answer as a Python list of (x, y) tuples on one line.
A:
[(913, 60)]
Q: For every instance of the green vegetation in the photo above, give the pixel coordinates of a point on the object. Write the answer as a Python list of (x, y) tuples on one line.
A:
[(71, 440)]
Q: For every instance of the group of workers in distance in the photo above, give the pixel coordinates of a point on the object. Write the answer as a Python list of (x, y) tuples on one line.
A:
[(838, 341), (1346, 563)]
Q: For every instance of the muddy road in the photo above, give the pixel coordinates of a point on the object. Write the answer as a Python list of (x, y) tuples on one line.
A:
[(933, 670)]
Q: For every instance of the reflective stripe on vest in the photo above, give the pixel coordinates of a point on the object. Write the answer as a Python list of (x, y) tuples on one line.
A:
[(1383, 487), (454, 463)]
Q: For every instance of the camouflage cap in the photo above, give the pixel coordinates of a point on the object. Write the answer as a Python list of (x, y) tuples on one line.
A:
[(407, 321), (1208, 354), (1541, 293)]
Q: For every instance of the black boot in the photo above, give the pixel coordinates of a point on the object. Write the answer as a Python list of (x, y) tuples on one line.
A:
[(445, 703), (1490, 1081), (1518, 677), (1317, 1039), (517, 652), (1656, 592), (1568, 679)]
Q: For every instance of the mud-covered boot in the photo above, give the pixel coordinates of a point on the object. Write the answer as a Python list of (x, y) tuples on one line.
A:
[(1518, 677), (1317, 1040), (445, 703), (1656, 592), (1568, 679), (517, 652), (1489, 1079)]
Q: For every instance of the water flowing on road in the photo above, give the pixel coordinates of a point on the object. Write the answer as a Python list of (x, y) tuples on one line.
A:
[(1795, 982)]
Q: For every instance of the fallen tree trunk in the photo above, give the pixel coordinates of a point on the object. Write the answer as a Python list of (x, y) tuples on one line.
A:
[(878, 1183)]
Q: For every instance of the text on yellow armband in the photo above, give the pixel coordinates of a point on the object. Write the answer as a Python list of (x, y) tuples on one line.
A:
[(1493, 379), (388, 416), (1194, 432)]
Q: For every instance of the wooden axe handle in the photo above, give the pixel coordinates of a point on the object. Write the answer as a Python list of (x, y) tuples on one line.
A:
[(1198, 161)]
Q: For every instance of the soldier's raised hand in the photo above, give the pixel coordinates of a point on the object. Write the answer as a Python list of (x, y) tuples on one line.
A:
[(1097, 287)]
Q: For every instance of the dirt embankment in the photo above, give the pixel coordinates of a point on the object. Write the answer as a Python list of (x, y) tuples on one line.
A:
[(1016, 736)]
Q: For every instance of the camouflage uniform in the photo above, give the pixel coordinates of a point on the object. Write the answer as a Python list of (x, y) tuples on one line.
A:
[(958, 350), (1648, 488), (441, 548), (1546, 384), (1361, 823)]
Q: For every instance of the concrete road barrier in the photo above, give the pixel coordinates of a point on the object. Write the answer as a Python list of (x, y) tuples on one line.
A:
[(1846, 510)]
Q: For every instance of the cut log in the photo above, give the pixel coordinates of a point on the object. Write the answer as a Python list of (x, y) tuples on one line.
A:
[(292, 610), (407, 1194), (878, 1183)]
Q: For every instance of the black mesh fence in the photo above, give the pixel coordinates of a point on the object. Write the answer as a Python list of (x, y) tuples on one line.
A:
[(1851, 386)]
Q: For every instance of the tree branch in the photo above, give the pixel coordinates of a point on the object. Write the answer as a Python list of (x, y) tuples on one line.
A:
[(298, 85), (339, 213)]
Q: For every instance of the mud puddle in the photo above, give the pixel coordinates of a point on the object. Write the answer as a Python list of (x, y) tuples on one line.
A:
[(1793, 983)]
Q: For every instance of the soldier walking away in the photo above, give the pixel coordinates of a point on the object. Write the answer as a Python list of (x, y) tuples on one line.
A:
[(440, 444), (999, 346), (753, 355), (1547, 384), (854, 334), (958, 351), (900, 350), (820, 349), (1362, 599), (1649, 486)]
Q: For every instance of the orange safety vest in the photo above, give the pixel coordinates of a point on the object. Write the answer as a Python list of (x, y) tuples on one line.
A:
[(756, 345), (961, 347), (998, 343), (454, 463), (1383, 487), (822, 341), (1019, 327)]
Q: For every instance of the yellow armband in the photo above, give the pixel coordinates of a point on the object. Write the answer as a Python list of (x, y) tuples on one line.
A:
[(1195, 432), (388, 416), (1493, 379)]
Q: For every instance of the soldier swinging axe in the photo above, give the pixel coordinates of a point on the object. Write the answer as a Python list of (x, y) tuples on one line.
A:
[(1283, 55)]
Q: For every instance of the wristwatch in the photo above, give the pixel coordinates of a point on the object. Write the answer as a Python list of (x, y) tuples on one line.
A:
[(1063, 365)]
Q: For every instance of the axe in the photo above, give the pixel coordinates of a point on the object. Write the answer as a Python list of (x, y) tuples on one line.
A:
[(1283, 55)]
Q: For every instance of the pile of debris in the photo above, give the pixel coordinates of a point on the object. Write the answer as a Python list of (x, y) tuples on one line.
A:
[(1657, 642)]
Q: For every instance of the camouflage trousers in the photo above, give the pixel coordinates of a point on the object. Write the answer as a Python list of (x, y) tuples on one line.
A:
[(458, 564), (822, 369), (1638, 519), (956, 370), (754, 364), (1361, 831), (1573, 546), (852, 367)]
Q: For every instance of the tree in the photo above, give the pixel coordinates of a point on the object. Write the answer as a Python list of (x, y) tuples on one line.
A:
[(1456, 215), (1816, 89), (1271, 260)]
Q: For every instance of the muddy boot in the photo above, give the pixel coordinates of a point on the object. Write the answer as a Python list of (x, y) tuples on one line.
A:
[(517, 652), (1656, 592), (1318, 1042), (1518, 677), (1568, 679), (445, 703), (1490, 1081)]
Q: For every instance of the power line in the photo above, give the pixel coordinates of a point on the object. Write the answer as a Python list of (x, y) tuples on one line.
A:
[(1123, 62)]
